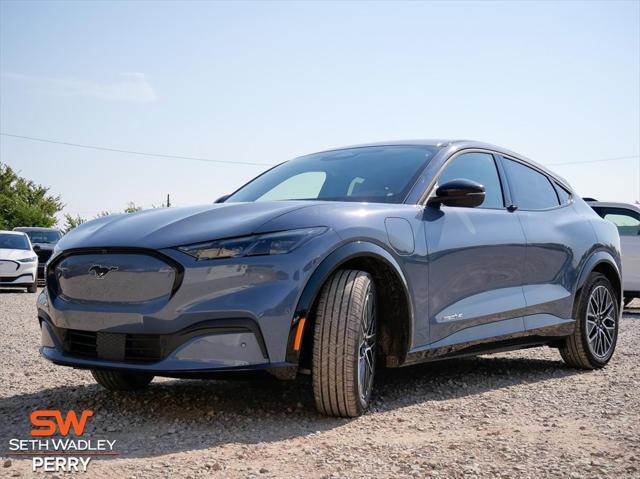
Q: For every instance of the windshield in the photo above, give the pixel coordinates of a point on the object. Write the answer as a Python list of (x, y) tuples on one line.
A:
[(43, 236), (14, 242), (381, 174)]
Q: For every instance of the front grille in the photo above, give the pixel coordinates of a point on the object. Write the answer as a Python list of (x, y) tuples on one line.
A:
[(81, 343), (8, 279), (113, 346), (129, 277), (44, 255)]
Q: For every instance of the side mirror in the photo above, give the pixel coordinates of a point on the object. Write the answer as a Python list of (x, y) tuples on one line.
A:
[(459, 192), (222, 199)]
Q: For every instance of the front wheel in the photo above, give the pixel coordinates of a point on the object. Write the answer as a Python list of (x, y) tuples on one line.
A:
[(594, 339), (120, 380), (344, 344)]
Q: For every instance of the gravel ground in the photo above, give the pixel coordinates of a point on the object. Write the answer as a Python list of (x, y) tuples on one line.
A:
[(520, 414)]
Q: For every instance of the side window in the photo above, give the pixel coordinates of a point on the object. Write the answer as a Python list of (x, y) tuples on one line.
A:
[(563, 194), (304, 186), (479, 167), (531, 190), (627, 221)]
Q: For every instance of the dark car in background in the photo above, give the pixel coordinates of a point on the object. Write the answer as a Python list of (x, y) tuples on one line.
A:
[(43, 241), (330, 264)]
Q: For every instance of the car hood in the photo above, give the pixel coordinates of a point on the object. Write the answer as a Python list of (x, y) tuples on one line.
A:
[(15, 254), (168, 227)]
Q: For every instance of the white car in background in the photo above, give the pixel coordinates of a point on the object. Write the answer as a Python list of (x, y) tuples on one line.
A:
[(627, 219), (18, 261)]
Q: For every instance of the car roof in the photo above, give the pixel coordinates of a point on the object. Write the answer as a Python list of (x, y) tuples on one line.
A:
[(33, 228), (613, 204), (455, 145), (17, 233)]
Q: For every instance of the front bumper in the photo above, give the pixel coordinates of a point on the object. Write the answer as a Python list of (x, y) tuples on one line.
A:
[(209, 345), (22, 274), (221, 314)]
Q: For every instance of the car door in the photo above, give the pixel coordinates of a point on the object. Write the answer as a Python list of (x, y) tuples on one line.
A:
[(628, 223), (475, 259), (557, 239)]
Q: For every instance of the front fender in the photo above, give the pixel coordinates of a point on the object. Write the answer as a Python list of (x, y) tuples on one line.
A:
[(333, 262)]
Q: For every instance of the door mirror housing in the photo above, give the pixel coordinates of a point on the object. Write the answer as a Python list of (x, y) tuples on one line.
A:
[(460, 192)]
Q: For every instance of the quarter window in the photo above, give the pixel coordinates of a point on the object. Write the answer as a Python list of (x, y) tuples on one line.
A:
[(478, 167), (532, 190), (563, 194)]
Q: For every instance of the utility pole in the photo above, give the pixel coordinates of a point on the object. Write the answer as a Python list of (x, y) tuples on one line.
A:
[(168, 201)]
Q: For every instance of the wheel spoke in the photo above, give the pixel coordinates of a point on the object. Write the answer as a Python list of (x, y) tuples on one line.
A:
[(366, 354), (592, 330), (600, 322)]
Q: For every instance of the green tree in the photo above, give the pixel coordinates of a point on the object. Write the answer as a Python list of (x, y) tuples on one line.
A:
[(71, 222), (132, 208), (25, 203)]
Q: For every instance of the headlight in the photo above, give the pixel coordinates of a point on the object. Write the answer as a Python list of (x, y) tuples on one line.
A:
[(258, 245), (28, 260)]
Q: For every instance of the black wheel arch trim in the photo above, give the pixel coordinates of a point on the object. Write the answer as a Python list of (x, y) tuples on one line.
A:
[(596, 259), (332, 262)]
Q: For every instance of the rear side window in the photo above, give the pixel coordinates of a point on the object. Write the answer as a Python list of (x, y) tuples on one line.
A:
[(532, 190), (563, 194), (478, 167), (627, 221)]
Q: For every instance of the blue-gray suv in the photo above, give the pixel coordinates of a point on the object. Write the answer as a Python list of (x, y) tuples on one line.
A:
[(336, 263)]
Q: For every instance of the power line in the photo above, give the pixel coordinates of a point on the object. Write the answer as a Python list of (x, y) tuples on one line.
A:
[(594, 161), (209, 160), (131, 152)]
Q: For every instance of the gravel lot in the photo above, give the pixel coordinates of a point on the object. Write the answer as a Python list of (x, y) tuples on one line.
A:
[(520, 414)]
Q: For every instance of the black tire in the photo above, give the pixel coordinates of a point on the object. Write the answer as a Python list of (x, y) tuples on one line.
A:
[(32, 288), (120, 380), (578, 351), (344, 344)]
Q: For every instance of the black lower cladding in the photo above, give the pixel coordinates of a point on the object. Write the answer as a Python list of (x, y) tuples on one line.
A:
[(145, 348)]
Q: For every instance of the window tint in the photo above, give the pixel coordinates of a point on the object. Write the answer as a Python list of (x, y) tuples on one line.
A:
[(304, 185), (42, 236), (563, 194), (8, 241), (479, 167), (627, 221), (532, 190), (381, 174)]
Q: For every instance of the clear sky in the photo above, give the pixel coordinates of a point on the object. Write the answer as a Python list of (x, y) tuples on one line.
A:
[(264, 82)]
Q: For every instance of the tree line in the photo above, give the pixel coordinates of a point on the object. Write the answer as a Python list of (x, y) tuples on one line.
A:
[(25, 203)]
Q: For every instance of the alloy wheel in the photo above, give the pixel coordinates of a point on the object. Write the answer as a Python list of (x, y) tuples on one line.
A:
[(601, 322), (367, 353)]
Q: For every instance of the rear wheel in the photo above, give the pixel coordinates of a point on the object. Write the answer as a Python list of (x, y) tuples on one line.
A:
[(594, 339), (32, 288), (344, 344), (120, 380)]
